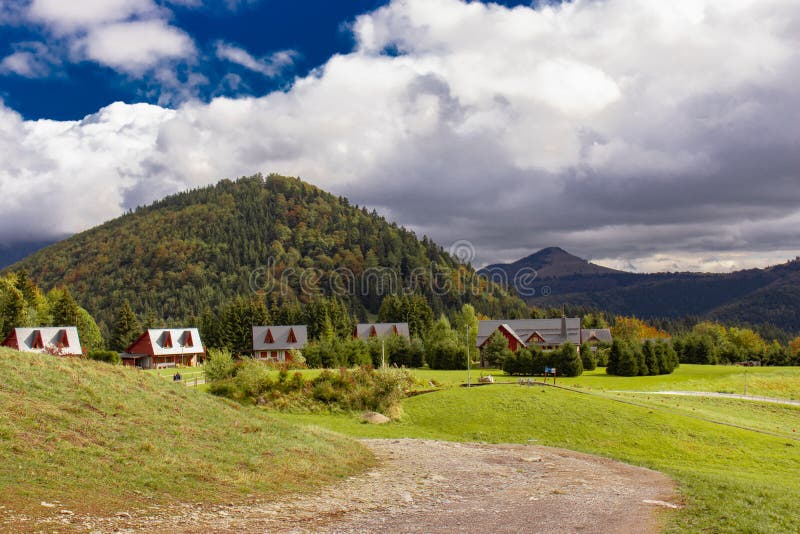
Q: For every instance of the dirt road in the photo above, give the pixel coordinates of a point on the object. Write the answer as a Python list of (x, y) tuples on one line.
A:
[(433, 486)]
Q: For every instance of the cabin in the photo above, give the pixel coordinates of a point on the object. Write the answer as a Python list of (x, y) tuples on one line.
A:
[(547, 334), (366, 331), (57, 340), (158, 348), (276, 343)]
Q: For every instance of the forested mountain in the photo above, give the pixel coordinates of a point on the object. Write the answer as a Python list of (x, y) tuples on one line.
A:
[(277, 239), (769, 296)]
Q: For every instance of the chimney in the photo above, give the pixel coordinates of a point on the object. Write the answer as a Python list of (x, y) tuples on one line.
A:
[(564, 326)]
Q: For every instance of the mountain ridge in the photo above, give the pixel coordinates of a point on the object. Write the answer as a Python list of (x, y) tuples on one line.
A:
[(750, 296), (275, 238)]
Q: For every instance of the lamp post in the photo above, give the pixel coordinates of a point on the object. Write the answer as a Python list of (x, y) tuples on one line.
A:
[(469, 381)]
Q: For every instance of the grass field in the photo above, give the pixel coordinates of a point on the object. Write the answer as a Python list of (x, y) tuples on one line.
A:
[(780, 382), (732, 479), (99, 438)]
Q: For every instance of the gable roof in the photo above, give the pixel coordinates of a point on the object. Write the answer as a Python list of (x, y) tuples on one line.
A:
[(38, 339), (284, 337), (167, 342), (553, 331), (596, 334), (512, 333), (368, 330)]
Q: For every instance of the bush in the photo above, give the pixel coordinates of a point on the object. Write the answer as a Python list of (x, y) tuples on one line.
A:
[(632, 359), (601, 354), (219, 366), (447, 355), (108, 356), (521, 363), (252, 379), (588, 357), (567, 361)]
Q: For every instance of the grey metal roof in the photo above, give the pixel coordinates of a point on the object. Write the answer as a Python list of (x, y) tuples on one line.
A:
[(65, 338), (600, 334), (365, 330), (553, 331), (280, 336)]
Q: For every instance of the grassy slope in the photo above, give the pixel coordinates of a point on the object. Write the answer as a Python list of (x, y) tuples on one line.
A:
[(734, 480), (99, 438)]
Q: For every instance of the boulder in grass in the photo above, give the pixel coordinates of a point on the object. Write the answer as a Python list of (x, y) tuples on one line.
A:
[(375, 418)]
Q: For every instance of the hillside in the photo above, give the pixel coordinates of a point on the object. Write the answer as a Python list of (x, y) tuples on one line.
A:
[(752, 296), (96, 438), (277, 237)]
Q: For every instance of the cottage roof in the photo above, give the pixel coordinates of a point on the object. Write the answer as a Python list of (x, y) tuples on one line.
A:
[(368, 330), (280, 337), (553, 331), (167, 342), (38, 339)]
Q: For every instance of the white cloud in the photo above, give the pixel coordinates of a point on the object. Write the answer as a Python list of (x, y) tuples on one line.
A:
[(66, 16), (620, 128), (30, 60), (134, 47), (269, 66), (130, 36)]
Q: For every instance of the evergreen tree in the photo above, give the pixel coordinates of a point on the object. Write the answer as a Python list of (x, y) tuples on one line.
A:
[(63, 308), (568, 362), (588, 357), (12, 308), (125, 328), (627, 363)]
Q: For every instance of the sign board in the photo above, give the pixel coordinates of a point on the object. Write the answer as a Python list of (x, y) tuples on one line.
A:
[(550, 370)]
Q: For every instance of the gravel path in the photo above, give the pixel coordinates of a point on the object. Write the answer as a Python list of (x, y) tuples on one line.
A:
[(773, 400), (433, 486)]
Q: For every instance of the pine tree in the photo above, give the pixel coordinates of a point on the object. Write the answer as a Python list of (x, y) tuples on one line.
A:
[(64, 309), (125, 328)]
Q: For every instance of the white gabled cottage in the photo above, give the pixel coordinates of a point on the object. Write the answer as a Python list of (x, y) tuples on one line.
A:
[(60, 340), (275, 343)]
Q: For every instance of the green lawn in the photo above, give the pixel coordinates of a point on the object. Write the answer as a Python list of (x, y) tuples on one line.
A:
[(782, 382), (732, 479)]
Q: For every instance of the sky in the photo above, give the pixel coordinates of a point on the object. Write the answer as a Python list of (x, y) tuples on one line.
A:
[(649, 136)]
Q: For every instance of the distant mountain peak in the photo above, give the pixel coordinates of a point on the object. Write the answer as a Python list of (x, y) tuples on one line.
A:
[(552, 262)]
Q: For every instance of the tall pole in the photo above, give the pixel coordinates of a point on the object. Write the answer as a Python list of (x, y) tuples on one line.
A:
[(745, 380), (469, 381)]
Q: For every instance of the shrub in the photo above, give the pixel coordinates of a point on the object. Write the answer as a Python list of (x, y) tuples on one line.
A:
[(588, 357), (219, 366), (252, 379), (567, 361), (108, 356), (447, 355)]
